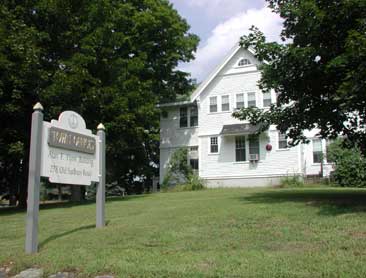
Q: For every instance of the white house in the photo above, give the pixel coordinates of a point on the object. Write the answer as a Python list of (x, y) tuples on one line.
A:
[(224, 150)]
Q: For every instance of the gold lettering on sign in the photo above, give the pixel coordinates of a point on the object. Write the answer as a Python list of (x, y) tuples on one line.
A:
[(61, 138)]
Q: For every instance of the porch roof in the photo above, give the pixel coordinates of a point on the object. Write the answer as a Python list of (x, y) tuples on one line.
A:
[(239, 129)]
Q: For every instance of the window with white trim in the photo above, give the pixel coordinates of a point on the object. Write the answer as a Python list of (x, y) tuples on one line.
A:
[(267, 99), (328, 142), (214, 145), (213, 104), (193, 116), (183, 117), (225, 103), (254, 145), (239, 101), (193, 157), (244, 62), (317, 151), (282, 141), (240, 150), (252, 102)]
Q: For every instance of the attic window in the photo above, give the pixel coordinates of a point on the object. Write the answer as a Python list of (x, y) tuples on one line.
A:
[(244, 62)]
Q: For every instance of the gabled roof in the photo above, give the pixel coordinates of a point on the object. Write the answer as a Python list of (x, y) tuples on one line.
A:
[(209, 79), (216, 71)]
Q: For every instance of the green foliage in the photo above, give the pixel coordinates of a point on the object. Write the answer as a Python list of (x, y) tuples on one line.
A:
[(111, 61), (180, 174), (179, 170), (318, 72), (291, 182), (350, 165), (193, 183)]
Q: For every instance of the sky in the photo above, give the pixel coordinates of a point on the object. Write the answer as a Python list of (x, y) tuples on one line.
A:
[(220, 24)]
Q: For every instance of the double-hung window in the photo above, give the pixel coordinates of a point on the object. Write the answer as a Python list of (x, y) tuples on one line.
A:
[(193, 157), (254, 146), (252, 100), (240, 148), (239, 101), (329, 159), (213, 104), (317, 151), (267, 99), (225, 103), (282, 141), (193, 116), (183, 117), (214, 145)]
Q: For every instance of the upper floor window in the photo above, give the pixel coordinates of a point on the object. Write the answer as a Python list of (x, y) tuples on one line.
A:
[(240, 148), (214, 145), (252, 100), (213, 104), (317, 151), (244, 62), (225, 103), (183, 117), (267, 99), (194, 116), (282, 141), (239, 101)]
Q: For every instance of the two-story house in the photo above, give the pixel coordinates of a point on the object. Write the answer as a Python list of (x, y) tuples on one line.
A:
[(225, 151)]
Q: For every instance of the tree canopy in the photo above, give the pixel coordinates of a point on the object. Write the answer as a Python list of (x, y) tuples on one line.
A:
[(111, 61), (318, 72)]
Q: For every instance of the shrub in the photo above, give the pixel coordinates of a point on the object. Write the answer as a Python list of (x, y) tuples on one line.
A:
[(350, 165), (292, 181), (194, 183), (179, 170)]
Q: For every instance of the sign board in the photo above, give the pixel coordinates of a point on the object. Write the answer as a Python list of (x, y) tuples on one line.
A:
[(66, 152), (69, 152)]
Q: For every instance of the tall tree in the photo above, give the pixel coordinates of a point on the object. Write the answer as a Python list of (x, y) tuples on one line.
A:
[(109, 60), (318, 73)]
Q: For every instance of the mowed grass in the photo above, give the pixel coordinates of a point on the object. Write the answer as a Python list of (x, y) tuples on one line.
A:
[(308, 232)]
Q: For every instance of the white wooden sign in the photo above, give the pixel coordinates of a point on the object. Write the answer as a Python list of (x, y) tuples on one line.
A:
[(69, 152), (65, 152)]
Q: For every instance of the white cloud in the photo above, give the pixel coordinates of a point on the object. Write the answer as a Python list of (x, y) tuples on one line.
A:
[(223, 8), (227, 34)]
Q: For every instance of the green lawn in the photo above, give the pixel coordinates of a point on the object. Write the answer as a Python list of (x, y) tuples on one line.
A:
[(310, 232)]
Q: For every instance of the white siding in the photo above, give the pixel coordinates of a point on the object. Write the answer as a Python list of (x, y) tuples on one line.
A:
[(272, 163)]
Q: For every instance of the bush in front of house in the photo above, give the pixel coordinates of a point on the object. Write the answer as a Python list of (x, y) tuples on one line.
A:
[(291, 181), (350, 165), (180, 174)]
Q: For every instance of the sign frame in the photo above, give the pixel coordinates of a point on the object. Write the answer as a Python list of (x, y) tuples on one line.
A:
[(73, 138)]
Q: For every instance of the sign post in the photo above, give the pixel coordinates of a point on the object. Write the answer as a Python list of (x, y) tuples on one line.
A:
[(65, 151), (34, 179), (101, 185)]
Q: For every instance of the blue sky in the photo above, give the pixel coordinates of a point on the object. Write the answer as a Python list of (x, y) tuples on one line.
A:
[(219, 24)]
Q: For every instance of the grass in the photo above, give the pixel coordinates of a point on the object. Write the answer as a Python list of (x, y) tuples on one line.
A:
[(303, 232)]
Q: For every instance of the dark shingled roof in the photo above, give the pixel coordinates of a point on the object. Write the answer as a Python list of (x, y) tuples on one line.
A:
[(238, 129)]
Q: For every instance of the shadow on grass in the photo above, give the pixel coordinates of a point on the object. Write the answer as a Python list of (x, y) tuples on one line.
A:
[(68, 204), (331, 201), (57, 236)]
